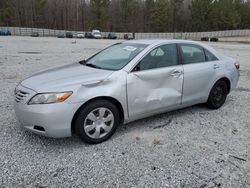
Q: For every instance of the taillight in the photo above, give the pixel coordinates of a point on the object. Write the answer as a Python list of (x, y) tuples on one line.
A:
[(237, 65)]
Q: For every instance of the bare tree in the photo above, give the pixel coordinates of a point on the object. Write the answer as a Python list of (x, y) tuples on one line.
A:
[(127, 15)]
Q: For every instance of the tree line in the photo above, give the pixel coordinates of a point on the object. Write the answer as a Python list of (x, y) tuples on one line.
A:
[(127, 15)]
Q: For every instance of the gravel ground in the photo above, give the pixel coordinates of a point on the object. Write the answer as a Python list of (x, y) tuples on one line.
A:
[(193, 147)]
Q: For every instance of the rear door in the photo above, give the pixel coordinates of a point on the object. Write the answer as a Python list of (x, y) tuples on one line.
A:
[(200, 67), (156, 82)]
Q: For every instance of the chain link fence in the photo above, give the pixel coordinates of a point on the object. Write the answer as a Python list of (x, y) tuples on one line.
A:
[(193, 35), (22, 31)]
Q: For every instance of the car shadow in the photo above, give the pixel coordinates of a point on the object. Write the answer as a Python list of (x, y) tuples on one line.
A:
[(160, 120), (142, 124)]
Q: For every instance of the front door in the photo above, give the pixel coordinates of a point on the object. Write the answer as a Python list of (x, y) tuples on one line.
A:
[(156, 82)]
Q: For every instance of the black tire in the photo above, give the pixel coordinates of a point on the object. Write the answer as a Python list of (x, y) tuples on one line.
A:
[(86, 110), (218, 95)]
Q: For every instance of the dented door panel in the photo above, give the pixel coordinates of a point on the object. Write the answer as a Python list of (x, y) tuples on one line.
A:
[(152, 90)]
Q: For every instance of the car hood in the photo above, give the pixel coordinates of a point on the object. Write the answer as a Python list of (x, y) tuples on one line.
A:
[(61, 78)]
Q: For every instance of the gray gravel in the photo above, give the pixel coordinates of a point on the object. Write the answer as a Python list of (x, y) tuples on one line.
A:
[(193, 147)]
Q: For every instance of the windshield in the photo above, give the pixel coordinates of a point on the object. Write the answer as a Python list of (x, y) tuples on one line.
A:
[(116, 56)]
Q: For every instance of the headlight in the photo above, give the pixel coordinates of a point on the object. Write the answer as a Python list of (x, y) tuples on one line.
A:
[(48, 98)]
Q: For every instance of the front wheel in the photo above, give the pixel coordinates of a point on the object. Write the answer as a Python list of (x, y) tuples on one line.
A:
[(97, 121), (218, 95)]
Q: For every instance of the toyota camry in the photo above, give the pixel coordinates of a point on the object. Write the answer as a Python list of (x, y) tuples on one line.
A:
[(122, 83)]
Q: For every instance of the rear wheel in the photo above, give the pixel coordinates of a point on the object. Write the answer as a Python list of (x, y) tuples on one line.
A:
[(97, 121), (218, 95)]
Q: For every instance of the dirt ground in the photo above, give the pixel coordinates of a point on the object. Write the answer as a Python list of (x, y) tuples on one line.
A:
[(192, 147)]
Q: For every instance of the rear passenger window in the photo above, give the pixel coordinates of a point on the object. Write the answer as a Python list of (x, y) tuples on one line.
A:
[(210, 56), (192, 53)]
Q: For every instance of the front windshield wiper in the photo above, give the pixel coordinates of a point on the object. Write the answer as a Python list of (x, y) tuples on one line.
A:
[(84, 62), (93, 66)]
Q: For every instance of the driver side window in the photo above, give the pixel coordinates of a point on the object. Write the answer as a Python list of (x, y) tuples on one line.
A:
[(162, 56)]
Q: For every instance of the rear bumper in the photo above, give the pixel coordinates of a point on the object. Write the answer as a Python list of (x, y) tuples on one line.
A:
[(55, 119), (235, 79)]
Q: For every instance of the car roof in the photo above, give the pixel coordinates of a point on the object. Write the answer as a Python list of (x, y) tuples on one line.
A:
[(161, 41), (155, 42)]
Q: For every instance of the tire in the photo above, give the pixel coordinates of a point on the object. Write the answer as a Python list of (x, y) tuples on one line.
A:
[(97, 121), (218, 95)]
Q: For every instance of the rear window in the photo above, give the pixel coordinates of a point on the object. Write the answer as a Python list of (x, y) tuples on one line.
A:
[(210, 56)]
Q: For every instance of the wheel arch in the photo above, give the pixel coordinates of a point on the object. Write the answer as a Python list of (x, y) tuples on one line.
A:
[(227, 81), (110, 99)]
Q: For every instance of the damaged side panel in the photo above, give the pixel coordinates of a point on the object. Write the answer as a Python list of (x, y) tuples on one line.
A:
[(153, 90), (113, 87)]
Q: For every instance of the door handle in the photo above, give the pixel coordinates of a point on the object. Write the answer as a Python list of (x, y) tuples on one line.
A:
[(176, 73), (216, 66)]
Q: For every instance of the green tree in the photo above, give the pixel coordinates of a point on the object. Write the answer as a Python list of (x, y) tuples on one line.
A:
[(129, 15), (243, 8), (99, 13), (161, 16), (175, 13), (224, 15), (201, 14), (148, 14), (38, 12), (5, 13)]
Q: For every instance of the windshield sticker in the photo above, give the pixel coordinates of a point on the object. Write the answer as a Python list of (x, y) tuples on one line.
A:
[(129, 48)]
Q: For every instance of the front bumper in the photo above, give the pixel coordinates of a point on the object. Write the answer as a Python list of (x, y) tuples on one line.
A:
[(54, 119)]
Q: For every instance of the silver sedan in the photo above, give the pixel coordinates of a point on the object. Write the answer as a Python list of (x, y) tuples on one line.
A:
[(122, 83)]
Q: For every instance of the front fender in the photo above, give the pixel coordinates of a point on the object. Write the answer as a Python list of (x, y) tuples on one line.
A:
[(113, 87)]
